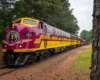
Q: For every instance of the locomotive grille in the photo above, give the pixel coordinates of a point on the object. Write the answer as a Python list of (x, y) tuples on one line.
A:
[(10, 51)]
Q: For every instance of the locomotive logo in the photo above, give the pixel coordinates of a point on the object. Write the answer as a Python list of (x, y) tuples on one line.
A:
[(12, 36)]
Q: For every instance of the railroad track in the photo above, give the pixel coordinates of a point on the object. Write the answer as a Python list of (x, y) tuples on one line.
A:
[(3, 67), (6, 70)]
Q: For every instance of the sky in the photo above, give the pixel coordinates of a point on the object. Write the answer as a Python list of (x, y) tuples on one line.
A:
[(83, 10)]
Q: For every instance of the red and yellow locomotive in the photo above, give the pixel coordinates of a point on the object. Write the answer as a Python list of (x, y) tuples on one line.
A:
[(27, 39)]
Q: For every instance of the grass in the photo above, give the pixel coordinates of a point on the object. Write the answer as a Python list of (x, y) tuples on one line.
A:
[(63, 79), (84, 59), (80, 67)]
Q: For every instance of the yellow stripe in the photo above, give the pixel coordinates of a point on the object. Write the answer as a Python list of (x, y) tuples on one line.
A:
[(23, 50), (48, 37), (50, 44), (39, 40), (3, 50)]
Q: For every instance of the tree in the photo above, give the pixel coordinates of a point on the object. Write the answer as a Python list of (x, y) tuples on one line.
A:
[(5, 18), (49, 11), (95, 62), (89, 36), (1, 29), (83, 34)]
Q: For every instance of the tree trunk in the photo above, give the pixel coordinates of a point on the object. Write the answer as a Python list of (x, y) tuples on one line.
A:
[(95, 66)]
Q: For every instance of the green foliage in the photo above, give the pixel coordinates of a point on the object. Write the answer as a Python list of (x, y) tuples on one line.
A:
[(1, 26), (53, 12), (83, 34), (5, 18), (1, 29), (89, 36)]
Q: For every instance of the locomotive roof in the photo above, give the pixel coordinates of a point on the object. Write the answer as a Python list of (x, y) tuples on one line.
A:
[(30, 18), (31, 22)]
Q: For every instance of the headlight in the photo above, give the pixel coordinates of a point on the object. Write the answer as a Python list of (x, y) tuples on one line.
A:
[(20, 45), (12, 26), (28, 34), (5, 45)]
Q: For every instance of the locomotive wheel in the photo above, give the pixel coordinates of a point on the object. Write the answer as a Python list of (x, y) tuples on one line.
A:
[(30, 59), (34, 59), (49, 53), (37, 58), (66, 49), (52, 51), (46, 55), (41, 57)]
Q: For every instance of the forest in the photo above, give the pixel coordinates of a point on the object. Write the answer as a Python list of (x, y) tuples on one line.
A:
[(54, 12), (86, 35)]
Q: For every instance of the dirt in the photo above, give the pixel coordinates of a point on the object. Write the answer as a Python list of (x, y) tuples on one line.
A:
[(55, 67)]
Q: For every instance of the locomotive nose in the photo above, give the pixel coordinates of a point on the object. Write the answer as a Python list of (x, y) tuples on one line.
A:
[(12, 36)]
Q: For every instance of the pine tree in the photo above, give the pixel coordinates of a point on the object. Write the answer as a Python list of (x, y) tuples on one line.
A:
[(95, 69)]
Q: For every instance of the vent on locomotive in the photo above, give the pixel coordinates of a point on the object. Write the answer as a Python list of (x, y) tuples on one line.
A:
[(12, 36)]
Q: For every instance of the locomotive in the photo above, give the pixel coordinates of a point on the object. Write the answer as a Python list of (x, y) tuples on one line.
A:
[(27, 40)]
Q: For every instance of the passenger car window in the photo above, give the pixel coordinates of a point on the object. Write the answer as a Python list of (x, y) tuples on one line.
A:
[(49, 29), (54, 31)]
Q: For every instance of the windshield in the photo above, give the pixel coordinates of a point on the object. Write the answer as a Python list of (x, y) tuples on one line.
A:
[(26, 21), (18, 21)]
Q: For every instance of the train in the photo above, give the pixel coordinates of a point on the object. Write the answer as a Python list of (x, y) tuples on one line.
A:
[(27, 40)]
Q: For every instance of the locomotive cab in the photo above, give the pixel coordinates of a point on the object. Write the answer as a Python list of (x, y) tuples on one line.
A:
[(18, 42)]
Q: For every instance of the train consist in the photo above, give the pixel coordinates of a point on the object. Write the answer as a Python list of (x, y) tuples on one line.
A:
[(27, 40)]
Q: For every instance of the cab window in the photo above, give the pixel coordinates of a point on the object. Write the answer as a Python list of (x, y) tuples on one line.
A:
[(41, 26), (26, 21), (18, 21)]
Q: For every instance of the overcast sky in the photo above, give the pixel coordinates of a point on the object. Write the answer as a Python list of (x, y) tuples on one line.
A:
[(83, 10)]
